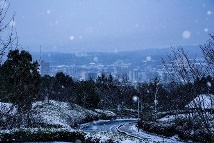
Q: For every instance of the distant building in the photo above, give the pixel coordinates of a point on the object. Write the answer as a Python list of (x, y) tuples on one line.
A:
[(73, 71), (92, 75), (44, 68), (133, 75)]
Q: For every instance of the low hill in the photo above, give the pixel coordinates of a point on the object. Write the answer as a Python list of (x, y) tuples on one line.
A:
[(56, 114)]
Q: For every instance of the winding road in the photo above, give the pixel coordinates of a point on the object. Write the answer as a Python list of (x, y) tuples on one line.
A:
[(108, 125), (128, 127)]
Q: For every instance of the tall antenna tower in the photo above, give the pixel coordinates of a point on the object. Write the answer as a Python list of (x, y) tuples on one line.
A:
[(40, 54)]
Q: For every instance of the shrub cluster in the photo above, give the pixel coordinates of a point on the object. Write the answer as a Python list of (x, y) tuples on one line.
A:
[(20, 136), (181, 129)]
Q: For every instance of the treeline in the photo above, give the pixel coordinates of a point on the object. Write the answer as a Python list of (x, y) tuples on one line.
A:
[(108, 93), (21, 84)]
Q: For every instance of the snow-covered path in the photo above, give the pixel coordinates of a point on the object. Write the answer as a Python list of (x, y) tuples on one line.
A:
[(128, 127), (132, 130), (105, 125)]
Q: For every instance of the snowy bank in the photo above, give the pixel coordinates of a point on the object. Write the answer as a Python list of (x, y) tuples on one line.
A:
[(56, 114), (185, 126), (41, 135)]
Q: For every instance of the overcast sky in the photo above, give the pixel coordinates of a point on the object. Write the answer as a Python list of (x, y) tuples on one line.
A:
[(111, 25)]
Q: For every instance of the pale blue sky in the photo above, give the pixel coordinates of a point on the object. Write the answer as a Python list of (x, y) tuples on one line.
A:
[(111, 25)]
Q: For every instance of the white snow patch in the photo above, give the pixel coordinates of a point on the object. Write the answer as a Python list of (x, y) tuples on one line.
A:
[(203, 101), (133, 130), (12, 23), (60, 113), (7, 108), (106, 112), (169, 118), (35, 130)]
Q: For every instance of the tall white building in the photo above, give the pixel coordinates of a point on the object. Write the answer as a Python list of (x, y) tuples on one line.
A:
[(44, 68)]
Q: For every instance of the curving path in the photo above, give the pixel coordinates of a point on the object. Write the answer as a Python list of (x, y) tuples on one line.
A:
[(131, 130), (105, 125), (128, 127)]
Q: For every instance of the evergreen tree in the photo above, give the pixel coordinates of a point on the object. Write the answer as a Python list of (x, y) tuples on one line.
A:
[(62, 87), (20, 79)]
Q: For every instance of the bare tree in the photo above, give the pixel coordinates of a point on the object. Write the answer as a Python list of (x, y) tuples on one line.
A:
[(182, 69), (8, 35), (208, 52)]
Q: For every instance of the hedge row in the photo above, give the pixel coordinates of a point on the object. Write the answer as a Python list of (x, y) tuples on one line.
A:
[(171, 129), (20, 136)]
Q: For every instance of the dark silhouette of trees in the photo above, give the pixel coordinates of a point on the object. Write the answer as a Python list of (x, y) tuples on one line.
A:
[(87, 95), (62, 87), (20, 79), (46, 87)]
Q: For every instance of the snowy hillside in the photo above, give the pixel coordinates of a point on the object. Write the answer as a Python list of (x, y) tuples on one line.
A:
[(58, 114)]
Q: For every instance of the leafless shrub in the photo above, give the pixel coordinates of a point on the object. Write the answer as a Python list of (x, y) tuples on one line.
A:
[(8, 34)]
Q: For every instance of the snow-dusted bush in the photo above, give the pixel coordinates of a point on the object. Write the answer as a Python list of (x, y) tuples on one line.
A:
[(38, 134), (106, 114)]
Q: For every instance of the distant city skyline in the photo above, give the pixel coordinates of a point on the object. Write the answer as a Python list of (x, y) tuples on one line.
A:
[(110, 26)]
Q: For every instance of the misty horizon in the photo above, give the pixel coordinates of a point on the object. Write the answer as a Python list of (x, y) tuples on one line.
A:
[(110, 26)]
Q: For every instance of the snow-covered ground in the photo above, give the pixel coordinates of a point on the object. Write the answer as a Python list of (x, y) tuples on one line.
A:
[(131, 129), (56, 113), (7, 108), (107, 136), (60, 113), (106, 112), (34, 130), (170, 118)]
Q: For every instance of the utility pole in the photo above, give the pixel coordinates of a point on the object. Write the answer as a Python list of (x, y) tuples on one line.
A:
[(156, 81), (138, 106), (136, 99)]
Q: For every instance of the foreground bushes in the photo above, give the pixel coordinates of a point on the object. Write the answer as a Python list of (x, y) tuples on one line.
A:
[(25, 135), (171, 129)]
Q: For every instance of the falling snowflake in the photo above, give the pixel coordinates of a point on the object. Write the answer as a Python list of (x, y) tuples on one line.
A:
[(56, 22), (206, 30), (71, 38), (148, 58), (147, 91), (209, 84), (186, 34), (48, 11), (156, 102), (209, 12), (135, 98)]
